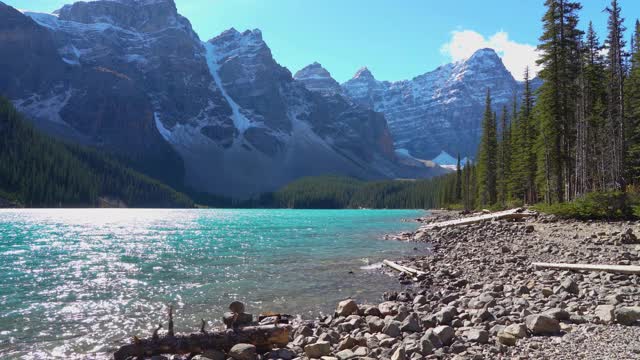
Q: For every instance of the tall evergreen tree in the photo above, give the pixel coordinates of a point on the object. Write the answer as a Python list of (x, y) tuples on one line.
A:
[(633, 109), (458, 194), (504, 158), (466, 187), (615, 106), (555, 113), (523, 161), (591, 148), (488, 156)]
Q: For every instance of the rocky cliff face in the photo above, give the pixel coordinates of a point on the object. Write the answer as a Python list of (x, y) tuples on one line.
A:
[(222, 116), (318, 79), (441, 109)]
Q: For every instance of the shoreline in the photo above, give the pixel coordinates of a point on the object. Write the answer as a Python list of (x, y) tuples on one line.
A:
[(481, 297), (477, 295)]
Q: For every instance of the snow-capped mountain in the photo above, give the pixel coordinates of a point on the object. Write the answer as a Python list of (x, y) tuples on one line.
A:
[(133, 77), (439, 110)]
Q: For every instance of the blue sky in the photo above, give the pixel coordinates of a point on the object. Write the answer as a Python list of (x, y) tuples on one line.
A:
[(395, 39)]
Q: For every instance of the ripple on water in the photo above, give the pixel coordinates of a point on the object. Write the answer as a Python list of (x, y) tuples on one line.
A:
[(79, 282)]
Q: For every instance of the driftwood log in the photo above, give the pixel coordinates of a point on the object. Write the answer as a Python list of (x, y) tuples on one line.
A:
[(513, 214), (264, 337), (622, 269), (401, 268)]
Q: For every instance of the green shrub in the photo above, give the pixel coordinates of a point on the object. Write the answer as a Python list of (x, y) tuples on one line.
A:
[(614, 205)]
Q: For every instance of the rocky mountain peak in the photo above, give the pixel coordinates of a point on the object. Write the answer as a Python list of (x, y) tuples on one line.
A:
[(232, 43), (314, 70), (233, 35), (363, 73), (485, 55), (139, 15), (317, 78), (255, 34), (484, 60)]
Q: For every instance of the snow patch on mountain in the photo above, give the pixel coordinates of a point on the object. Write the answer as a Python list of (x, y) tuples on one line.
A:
[(445, 159), (166, 133), (241, 122), (53, 22), (45, 107)]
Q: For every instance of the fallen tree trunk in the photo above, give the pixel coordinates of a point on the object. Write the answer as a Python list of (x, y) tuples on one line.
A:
[(501, 215), (264, 337), (622, 269), (405, 269)]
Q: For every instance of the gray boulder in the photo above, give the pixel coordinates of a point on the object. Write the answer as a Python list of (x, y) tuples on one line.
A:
[(318, 350), (605, 313), (432, 338), (445, 334), (243, 352), (570, 286), (284, 354), (542, 325), (517, 330), (399, 354), (507, 339), (411, 323), (392, 328), (375, 324), (627, 315), (346, 308), (477, 336)]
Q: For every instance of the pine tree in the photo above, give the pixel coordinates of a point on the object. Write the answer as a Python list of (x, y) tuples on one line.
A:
[(615, 106), (474, 194), (504, 158), (633, 109), (487, 156), (458, 194), (591, 151), (523, 159), (466, 188), (555, 111)]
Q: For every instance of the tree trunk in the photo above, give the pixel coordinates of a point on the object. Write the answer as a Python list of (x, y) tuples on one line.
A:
[(264, 337)]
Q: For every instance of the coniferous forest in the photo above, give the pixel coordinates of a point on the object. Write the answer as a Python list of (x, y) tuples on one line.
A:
[(37, 171)]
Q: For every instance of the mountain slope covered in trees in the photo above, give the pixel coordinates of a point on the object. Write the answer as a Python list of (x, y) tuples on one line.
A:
[(38, 171), (334, 192)]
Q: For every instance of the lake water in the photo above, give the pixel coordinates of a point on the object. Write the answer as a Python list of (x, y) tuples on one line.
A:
[(79, 283)]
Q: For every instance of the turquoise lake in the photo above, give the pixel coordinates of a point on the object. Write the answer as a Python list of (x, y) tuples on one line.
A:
[(78, 283)]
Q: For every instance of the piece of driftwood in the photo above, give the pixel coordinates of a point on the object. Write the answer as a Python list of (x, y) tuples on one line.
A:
[(622, 269), (405, 269), (264, 337), (500, 215)]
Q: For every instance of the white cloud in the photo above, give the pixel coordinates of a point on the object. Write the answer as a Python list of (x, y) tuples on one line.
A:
[(515, 56)]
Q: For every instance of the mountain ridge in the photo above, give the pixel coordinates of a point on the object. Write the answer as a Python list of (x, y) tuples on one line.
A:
[(134, 77), (439, 110)]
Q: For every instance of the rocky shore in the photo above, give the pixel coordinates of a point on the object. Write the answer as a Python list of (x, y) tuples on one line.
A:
[(481, 298)]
